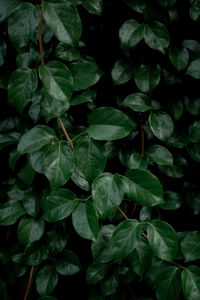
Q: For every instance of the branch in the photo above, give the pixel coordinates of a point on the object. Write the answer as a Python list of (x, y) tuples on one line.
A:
[(122, 213), (43, 63), (29, 283)]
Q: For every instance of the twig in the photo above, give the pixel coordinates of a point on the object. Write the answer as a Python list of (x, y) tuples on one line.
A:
[(134, 209), (122, 213), (65, 133), (29, 283)]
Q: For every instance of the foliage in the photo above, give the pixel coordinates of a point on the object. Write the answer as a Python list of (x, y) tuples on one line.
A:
[(100, 147)]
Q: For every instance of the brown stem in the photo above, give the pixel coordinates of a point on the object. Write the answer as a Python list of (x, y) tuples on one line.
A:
[(65, 133), (134, 209), (29, 283), (122, 213), (43, 63), (176, 264)]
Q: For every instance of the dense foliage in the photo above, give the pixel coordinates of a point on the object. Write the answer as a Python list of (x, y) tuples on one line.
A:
[(100, 149)]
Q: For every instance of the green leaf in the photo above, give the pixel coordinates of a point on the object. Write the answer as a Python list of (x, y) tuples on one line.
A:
[(35, 139), (3, 48), (85, 74), (161, 124), (172, 201), (7, 139), (66, 52), (156, 36), (179, 57), (36, 159), (6, 8), (191, 283), (124, 239), (58, 164), (107, 123), (26, 174), (30, 230), (138, 5), (96, 272), (143, 187), (194, 69), (32, 204), (63, 19), (137, 102), (101, 246), (86, 96), (168, 284), (160, 155), (194, 133), (176, 108), (130, 34), (195, 11), (147, 77), (35, 254), (47, 298), (121, 72), (109, 284), (56, 240), (93, 6), (193, 201), (57, 81), (23, 23), (46, 280), (193, 105), (22, 85), (139, 259), (13, 157), (67, 263), (85, 220), (138, 161), (10, 212), (23, 59), (156, 267), (190, 246), (59, 205), (162, 239), (90, 159)]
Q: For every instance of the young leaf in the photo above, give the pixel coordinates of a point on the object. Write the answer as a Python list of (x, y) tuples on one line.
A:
[(67, 263), (63, 19), (143, 187), (162, 239), (130, 34), (160, 155), (59, 205), (107, 123), (46, 280), (85, 220), (107, 192), (161, 124), (58, 164), (35, 139), (124, 239), (191, 283), (22, 85), (147, 77)]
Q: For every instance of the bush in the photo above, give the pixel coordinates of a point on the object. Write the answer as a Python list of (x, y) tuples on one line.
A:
[(100, 149)]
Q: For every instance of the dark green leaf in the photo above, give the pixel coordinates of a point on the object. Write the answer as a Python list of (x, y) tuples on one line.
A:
[(160, 155), (193, 106), (138, 5), (66, 52), (3, 48), (67, 263), (193, 201), (194, 69), (176, 108), (143, 187), (137, 102), (64, 20), (10, 212), (22, 85), (107, 123), (138, 161), (191, 283), (156, 267), (35, 254), (147, 77), (122, 72), (130, 34), (32, 204), (195, 11), (190, 246), (6, 8), (194, 133), (162, 240), (9, 139), (86, 96), (179, 57), (161, 124), (85, 74), (23, 23), (93, 6), (125, 238), (23, 59), (59, 205), (46, 280), (56, 240), (172, 201), (85, 220), (109, 284), (96, 272), (35, 139), (107, 192)]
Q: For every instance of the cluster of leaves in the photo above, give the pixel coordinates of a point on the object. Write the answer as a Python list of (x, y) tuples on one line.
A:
[(98, 157)]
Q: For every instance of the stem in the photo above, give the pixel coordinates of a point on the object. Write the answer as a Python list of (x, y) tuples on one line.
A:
[(134, 208), (65, 133), (122, 213), (178, 265), (29, 283), (43, 63)]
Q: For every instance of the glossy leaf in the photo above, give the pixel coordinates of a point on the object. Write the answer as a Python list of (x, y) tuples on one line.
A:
[(195, 10), (172, 201), (107, 123), (137, 102), (96, 272), (143, 187), (35, 254), (147, 77), (22, 85), (107, 192), (93, 6), (59, 205), (64, 20), (162, 240), (9, 139), (46, 280), (191, 283), (160, 155), (109, 284), (67, 263), (194, 132), (193, 69), (66, 52), (161, 124), (10, 212), (138, 161), (85, 220), (121, 72), (131, 33), (190, 246), (179, 57)]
